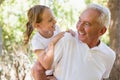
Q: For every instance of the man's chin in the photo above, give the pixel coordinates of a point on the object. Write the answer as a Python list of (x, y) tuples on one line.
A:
[(83, 40)]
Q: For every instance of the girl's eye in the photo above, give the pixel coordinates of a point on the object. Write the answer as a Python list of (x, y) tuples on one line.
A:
[(50, 20)]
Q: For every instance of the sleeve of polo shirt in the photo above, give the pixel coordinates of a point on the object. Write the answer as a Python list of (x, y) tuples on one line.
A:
[(110, 63), (58, 51), (60, 48)]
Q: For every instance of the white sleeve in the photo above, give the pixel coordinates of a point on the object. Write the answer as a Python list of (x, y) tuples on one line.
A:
[(60, 48), (36, 44), (109, 66)]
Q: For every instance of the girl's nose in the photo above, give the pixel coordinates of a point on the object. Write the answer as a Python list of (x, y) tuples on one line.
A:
[(54, 21)]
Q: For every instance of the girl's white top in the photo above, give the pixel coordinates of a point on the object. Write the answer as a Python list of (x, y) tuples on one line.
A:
[(39, 42)]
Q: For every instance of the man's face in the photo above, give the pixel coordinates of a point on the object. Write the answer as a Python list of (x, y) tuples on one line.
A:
[(88, 27)]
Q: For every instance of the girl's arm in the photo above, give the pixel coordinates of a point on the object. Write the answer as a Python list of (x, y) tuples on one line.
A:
[(46, 57)]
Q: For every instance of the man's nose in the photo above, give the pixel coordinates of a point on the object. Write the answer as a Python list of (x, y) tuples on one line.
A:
[(80, 26)]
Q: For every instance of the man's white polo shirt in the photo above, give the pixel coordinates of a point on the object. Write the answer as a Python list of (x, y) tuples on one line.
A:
[(74, 60)]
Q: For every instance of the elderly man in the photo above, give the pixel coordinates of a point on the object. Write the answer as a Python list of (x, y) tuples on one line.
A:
[(85, 57)]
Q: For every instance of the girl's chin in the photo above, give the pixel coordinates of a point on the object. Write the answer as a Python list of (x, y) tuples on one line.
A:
[(51, 34)]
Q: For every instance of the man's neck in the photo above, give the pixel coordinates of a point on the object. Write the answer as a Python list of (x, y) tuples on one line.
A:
[(94, 44)]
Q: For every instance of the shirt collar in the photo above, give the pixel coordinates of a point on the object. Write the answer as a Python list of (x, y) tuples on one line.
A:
[(97, 47)]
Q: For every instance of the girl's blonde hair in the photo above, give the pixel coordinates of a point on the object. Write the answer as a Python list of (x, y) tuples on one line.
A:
[(34, 16)]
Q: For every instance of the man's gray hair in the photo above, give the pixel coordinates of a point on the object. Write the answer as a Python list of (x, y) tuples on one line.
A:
[(105, 15)]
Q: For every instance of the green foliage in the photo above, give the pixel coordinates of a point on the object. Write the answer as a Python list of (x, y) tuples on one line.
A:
[(65, 14), (87, 1), (105, 38), (13, 19), (103, 2)]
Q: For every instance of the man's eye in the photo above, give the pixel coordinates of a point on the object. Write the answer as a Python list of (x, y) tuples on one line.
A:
[(87, 24), (79, 20)]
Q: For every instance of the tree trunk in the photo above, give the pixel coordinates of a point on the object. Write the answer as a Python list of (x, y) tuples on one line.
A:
[(114, 32), (0, 40)]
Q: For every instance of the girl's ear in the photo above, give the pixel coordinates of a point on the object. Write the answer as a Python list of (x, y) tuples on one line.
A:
[(37, 25), (103, 30)]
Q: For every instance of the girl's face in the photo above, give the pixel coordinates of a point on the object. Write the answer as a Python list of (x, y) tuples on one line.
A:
[(47, 26)]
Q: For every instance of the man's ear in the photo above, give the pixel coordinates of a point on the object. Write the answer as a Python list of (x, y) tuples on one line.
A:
[(103, 30)]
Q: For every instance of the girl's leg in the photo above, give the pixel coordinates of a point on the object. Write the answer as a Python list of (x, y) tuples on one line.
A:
[(38, 72)]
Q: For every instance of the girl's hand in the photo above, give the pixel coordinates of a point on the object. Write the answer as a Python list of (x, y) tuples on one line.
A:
[(57, 38), (71, 32)]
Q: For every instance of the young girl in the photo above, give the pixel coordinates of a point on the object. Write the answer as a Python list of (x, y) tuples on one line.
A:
[(41, 18)]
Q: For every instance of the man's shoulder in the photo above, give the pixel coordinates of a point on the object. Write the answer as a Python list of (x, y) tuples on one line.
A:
[(68, 35), (68, 38), (106, 49)]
